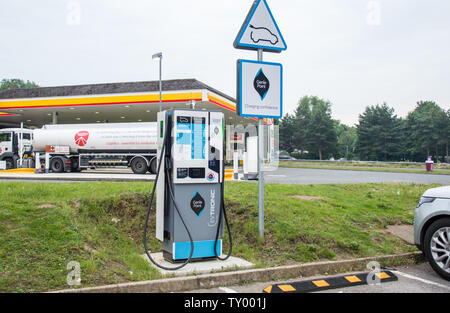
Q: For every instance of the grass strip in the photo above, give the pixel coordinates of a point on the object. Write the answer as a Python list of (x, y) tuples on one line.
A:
[(356, 168), (44, 226)]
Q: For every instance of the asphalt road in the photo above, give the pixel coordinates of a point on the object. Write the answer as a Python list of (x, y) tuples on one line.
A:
[(414, 279), (285, 175), (282, 175)]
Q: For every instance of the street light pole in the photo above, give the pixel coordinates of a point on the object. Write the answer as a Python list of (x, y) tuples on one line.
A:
[(159, 56)]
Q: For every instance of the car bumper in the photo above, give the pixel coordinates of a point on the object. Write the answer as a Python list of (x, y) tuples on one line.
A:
[(426, 212)]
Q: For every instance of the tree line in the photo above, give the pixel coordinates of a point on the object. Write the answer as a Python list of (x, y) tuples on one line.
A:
[(380, 135), (16, 83)]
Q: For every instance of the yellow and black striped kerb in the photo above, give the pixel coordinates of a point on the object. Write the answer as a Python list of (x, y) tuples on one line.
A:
[(331, 283)]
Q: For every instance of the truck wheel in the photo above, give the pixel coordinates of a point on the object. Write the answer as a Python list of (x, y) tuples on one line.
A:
[(57, 166), (139, 166), (437, 247), (31, 163), (74, 168), (9, 163), (153, 166)]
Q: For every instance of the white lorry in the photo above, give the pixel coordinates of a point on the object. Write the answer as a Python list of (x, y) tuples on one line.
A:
[(13, 143), (83, 146)]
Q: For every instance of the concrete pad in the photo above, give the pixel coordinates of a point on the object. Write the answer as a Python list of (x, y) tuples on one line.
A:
[(405, 232), (197, 268)]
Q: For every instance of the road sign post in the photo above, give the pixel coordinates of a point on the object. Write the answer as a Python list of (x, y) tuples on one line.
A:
[(260, 84), (260, 167)]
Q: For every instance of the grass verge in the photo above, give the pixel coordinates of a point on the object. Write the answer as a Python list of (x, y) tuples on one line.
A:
[(366, 167), (44, 226)]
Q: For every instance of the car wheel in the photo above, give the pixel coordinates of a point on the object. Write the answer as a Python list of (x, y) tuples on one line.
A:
[(139, 166), (437, 247)]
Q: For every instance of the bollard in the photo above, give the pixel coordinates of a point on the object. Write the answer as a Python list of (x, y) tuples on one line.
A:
[(236, 165), (429, 164), (245, 166), (47, 163), (37, 163)]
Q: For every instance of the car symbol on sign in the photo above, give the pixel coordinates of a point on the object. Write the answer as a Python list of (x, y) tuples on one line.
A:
[(262, 34)]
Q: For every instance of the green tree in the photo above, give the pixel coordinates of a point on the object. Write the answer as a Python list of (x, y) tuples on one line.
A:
[(427, 128), (346, 140), (294, 128), (321, 135), (302, 117), (443, 124), (16, 84), (309, 128), (287, 126), (379, 134)]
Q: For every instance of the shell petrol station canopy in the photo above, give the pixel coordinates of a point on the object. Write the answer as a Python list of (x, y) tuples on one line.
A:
[(113, 103)]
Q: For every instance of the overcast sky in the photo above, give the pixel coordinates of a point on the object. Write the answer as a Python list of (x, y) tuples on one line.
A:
[(353, 53)]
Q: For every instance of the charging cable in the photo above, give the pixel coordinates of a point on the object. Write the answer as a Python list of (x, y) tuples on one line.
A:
[(222, 210), (166, 163)]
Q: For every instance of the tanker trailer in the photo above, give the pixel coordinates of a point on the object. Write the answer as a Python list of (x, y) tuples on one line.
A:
[(82, 146)]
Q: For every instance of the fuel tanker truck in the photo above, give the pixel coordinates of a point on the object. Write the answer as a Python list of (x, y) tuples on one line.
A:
[(86, 146)]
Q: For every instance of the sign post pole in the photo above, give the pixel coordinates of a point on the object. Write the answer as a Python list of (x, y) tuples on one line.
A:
[(260, 167), (260, 84)]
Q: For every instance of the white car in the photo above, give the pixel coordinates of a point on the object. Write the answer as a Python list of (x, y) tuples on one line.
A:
[(432, 228)]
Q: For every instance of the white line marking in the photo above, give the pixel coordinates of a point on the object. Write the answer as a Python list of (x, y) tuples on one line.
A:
[(227, 290), (425, 281)]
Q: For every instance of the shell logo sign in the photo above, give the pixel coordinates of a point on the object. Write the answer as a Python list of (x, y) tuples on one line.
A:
[(81, 138)]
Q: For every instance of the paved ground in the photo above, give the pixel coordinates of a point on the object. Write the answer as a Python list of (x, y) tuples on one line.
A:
[(415, 279), (124, 175), (405, 232), (324, 176)]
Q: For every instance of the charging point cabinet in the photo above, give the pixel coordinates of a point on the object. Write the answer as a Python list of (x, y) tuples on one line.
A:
[(190, 186)]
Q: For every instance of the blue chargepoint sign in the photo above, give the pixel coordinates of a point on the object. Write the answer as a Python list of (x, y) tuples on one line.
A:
[(260, 31), (259, 89)]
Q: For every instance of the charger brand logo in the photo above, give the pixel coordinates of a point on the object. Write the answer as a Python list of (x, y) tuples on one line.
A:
[(197, 204), (212, 215), (261, 84), (81, 138)]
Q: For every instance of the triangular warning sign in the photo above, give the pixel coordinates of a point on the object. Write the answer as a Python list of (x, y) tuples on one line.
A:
[(260, 31)]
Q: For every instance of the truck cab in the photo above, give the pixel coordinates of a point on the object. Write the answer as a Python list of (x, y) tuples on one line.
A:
[(14, 144)]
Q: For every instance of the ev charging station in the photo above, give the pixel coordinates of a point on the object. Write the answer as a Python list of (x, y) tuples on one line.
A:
[(190, 210)]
